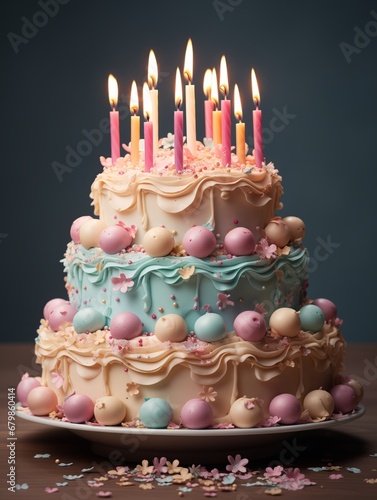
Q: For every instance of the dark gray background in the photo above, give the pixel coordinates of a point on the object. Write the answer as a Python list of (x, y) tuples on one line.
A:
[(55, 87)]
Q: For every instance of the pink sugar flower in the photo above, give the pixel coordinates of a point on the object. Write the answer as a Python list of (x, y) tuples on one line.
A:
[(122, 284)]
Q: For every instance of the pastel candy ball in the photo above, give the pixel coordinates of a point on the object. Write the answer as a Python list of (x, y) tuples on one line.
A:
[(75, 228), (197, 414), (328, 308), (90, 231), (319, 403), (246, 412), (287, 407), (357, 387), (156, 413), (296, 227), (171, 327), (278, 233), (125, 325), (345, 398), (239, 241), (113, 239), (158, 242), (250, 325), (109, 410), (88, 320), (312, 318), (78, 408), (24, 387), (285, 322), (51, 305), (210, 327), (42, 400), (199, 241), (61, 314)]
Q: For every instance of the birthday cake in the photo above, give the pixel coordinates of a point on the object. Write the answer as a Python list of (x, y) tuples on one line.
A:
[(187, 304)]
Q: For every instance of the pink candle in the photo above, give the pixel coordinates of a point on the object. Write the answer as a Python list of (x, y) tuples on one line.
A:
[(257, 122), (114, 118), (148, 130), (148, 145), (178, 124), (208, 104), (225, 116)]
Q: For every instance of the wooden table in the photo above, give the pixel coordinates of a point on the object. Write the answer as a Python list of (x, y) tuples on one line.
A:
[(349, 446)]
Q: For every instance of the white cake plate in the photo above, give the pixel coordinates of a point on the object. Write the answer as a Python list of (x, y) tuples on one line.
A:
[(189, 445)]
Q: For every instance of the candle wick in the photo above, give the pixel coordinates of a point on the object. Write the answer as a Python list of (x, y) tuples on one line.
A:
[(187, 76)]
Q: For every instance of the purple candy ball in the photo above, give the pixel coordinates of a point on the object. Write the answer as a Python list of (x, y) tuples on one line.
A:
[(240, 241), (328, 308), (250, 325), (125, 325), (197, 414), (78, 408), (199, 241), (287, 407), (345, 398)]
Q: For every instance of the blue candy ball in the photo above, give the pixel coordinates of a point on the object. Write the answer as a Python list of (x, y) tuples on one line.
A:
[(312, 318), (210, 327), (155, 413), (88, 320)]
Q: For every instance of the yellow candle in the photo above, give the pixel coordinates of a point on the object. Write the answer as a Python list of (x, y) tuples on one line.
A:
[(216, 114), (240, 127), (135, 124)]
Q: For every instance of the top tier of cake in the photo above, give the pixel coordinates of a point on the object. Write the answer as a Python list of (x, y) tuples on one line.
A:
[(204, 193)]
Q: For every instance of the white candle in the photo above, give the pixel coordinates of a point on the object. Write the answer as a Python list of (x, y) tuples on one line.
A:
[(152, 81), (190, 99)]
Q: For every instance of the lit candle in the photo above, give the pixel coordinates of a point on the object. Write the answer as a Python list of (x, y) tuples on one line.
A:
[(114, 118), (152, 80), (208, 103), (225, 115), (216, 114), (190, 99), (135, 124), (148, 129), (240, 127), (178, 124), (257, 122)]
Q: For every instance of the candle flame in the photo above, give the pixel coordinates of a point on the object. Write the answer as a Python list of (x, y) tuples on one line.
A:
[(224, 85), (113, 91), (214, 89), (237, 104), (188, 64), (178, 89), (152, 70), (134, 99), (207, 83), (255, 88), (147, 104)]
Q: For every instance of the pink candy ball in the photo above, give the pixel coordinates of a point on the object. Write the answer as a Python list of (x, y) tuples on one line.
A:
[(75, 228), (42, 400), (24, 387), (125, 325), (197, 414), (345, 398), (250, 325), (287, 407), (78, 408), (328, 308), (199, 242), (240, 241), (115, 238), (61, 314), (51, 305)]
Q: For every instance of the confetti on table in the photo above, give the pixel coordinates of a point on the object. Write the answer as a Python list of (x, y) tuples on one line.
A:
[(354, 470), (40, 455)]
